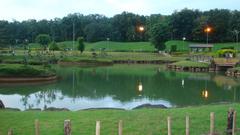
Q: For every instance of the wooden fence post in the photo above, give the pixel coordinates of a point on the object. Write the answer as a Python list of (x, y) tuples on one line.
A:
[(120, 127), (67, 127), (234, 122), (10, 132), (37, 127), (187, 125), (98, 128), (212, 123), (169, 125)]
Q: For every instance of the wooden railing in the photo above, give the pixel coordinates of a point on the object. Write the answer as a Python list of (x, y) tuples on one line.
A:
[(68, 126)]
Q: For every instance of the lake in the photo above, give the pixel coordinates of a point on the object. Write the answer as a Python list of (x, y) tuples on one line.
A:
[(122, 86)]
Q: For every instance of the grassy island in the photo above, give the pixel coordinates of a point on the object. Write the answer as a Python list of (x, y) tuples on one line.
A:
[(20, 70)]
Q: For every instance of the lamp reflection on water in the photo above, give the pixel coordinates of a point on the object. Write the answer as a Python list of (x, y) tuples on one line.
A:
[(139, 88), (205, 93)]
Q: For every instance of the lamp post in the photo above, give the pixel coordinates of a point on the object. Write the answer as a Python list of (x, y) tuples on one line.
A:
[(208, 30), (108, 39), (236, 32), (141, 29), (184, 38), (73, 34)]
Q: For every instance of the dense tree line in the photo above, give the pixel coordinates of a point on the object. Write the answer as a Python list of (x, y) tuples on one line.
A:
[(125, 27)]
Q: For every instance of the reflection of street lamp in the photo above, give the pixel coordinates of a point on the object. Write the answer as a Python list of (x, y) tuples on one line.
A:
[(140, 87), (205, 94), (208, 30)]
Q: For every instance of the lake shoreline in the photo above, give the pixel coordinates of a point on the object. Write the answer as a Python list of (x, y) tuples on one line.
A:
[(16, 79)]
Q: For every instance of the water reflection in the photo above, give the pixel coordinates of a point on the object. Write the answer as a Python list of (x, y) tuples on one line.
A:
[(116, 86), (205, 94)]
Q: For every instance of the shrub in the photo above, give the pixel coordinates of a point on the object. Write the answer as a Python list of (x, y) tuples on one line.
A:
[(223, 52), (54, 46), (173, 48)]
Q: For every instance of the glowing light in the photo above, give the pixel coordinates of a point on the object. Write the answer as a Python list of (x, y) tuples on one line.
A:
[(208, 29), (205, 94), (140, 87), (141, 28)]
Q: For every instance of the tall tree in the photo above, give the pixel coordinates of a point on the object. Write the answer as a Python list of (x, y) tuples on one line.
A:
[(160, 33), (81, 45), (44, 40)]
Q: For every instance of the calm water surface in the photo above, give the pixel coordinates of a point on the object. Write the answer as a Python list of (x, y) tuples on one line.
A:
[(122, 86)]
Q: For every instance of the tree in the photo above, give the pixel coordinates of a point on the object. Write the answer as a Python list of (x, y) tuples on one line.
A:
[(159, 34), (44, 40), (81, 45), (183, 23), (53, 46), (4, 34)]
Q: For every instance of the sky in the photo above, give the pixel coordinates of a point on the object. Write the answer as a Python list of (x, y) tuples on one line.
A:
[(50, 9)]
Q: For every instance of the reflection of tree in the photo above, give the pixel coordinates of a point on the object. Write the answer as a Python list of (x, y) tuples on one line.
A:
[(97, 83), (226, 82), (45, 97), (24, 100)]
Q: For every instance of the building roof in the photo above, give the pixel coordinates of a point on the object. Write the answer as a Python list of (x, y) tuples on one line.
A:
[(201, 45)]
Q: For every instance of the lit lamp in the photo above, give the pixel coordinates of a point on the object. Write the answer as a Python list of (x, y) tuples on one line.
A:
[(205, 94), (183, 39), (208, 30), (140, 87), (141, 28)]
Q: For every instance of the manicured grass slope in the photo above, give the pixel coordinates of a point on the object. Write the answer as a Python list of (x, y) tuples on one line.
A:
[(135, 46), (136, 122), (183, 45), (113, 46)]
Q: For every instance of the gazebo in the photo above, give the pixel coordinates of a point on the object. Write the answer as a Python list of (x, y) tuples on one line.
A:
[(200, 47)]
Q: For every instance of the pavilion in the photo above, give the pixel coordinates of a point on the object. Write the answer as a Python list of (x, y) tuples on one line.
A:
[(200, 47)]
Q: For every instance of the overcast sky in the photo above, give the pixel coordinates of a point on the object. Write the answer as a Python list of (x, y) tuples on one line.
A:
[(49, 9)]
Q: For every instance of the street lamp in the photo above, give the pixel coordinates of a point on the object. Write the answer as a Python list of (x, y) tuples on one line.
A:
[(108, 44), (141, 29), (208, 30), (236, 32), (184, 38)]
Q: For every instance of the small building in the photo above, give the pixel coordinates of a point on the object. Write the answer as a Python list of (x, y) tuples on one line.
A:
[(200, 47)]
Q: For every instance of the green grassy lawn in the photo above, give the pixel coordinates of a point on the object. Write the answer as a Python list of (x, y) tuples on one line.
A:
[(135, 122), (132, 46), (123, 56), (191, 64), (109, 46), (183, 45)]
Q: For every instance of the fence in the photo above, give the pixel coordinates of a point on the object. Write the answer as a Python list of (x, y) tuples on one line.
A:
[(231, 128)]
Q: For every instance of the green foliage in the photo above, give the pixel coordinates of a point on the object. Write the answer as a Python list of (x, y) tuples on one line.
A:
[(191, 64), (159, 35), (224, 52), (44, 40), (181, 45), (53, 46), (4, 34), (173, 48), (81, 45), (183, 23), (18, 70)]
